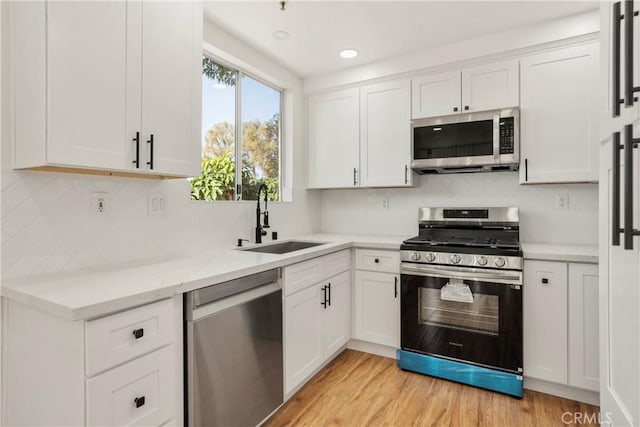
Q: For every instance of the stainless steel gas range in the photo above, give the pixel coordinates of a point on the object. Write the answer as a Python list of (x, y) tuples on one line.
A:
[(461, 298)]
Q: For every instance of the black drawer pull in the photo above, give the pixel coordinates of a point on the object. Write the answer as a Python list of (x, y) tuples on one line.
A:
[(138, 333), (545, 281), (139, 401), (466, 108), (455, 108), (376, 260)]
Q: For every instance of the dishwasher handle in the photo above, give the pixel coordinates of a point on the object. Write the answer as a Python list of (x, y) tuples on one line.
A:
[(235, 300)]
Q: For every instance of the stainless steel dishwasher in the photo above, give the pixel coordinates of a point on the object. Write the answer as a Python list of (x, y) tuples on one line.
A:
[(234, 364)]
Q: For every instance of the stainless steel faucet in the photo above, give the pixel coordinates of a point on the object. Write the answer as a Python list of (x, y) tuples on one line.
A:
[(260, 228)]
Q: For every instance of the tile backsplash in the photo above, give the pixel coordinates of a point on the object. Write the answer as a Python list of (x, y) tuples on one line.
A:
[(47, 223), (361, 211)]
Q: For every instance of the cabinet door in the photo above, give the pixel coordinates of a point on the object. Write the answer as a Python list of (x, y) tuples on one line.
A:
[(385, 142), (559, 116), (583, 326), (87, 85), (377, 308), (435, 95), (618, 298), (334, 138), (336, 329), (545, 320), (490, 86), (171, 86), (303, 323)]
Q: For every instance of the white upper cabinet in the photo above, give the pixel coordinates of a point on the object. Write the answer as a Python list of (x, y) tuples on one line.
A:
[(172, 46), (360, 137), (435, 95), (385, 150), (490, 86), (334, 137), (87, 84), (485, 87), (99, 73), (559, 116)]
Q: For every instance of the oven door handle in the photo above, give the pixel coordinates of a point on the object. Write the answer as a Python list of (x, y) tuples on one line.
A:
[(506, 277)]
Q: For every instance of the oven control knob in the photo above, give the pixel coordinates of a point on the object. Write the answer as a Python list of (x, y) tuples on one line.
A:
[(415, 256), (430, 257), (455, 258), (500, 262), (482, 260)]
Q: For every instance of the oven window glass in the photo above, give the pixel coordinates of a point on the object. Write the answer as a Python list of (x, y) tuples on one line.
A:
[(453, 140), (481, 315)]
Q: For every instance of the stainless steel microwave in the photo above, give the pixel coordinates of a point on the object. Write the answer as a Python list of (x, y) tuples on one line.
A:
[(482, 141)]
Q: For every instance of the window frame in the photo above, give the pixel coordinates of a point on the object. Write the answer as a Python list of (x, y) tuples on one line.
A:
[(240, 72)]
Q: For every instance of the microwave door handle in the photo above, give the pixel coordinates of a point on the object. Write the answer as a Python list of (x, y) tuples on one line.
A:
[(496, 138)]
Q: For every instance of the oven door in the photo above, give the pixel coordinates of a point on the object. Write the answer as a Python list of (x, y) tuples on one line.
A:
[(467, 314)]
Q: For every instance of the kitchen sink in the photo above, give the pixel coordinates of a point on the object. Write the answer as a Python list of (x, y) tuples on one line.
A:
[(284, 247)]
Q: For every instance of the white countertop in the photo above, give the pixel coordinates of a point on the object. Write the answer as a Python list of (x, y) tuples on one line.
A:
[(95, 292), (557, 252)]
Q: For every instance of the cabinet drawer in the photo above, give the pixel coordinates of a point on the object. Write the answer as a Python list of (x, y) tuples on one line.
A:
[(336, 263), (299, 276), (373, 260), (141, 392), (123, 336)]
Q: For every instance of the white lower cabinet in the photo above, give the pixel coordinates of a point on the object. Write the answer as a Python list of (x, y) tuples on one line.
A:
[(317, 318), (119, 370), (560, 322), (376, 295), (377, 308)]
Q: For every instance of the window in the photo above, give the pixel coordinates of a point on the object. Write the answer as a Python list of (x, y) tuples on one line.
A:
[(236, 160)]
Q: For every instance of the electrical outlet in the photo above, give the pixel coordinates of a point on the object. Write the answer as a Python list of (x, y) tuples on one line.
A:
[(562, 201), (99, 203), (385, 203), (157, 204)]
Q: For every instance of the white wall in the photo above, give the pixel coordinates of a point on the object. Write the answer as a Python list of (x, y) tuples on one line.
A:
[(360, 211), (47, 223)]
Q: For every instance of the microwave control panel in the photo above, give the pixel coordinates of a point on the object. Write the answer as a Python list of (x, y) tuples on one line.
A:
[(507, 135)]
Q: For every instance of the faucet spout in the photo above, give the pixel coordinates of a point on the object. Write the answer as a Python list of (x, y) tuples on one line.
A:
[(260, 228)]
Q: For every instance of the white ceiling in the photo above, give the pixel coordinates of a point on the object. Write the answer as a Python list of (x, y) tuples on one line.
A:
[(377, 29)]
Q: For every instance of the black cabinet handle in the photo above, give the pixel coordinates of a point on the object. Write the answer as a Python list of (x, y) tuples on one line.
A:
[(324, 297), (329, 292), (150, 142), (616, 17), (137, 141), (545, 280), (628, 187), (138, 333), (355, 172), (376, 260), (406, 174), (455, 108), (526, 170), (395, 286), (628, 54), (615, 196), (466, 108), (139, 401)]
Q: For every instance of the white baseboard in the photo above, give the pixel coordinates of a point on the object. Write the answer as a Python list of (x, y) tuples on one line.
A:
[(561, 390), (369, 347)]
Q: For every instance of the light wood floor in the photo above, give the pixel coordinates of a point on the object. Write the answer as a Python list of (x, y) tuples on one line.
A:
[(360, 389)]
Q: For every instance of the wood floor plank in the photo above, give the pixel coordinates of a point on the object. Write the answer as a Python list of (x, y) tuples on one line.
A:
[(361, 389)]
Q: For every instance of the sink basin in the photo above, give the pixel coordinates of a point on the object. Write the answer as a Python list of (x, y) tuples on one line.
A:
[(284, 247)]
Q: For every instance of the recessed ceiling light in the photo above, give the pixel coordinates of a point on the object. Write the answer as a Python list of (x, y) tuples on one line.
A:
[(348, 53), (281, 35)]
